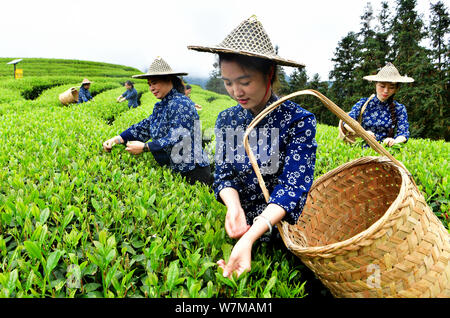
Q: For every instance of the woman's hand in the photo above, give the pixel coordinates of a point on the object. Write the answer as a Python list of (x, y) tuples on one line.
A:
[(236, 223), (107, 145), (135, 147), (240, 258), (389, 142)]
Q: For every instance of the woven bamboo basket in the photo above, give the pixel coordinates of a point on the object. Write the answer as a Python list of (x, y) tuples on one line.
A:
[(366, 230), (69, 96)]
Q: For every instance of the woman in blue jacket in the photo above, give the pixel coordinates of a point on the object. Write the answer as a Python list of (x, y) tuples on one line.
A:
[(172, 133), (284, 144), (84, 95), (383, 117), (130, 94)]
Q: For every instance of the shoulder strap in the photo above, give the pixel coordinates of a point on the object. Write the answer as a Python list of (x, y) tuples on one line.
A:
[(364, 107), (393, 118)]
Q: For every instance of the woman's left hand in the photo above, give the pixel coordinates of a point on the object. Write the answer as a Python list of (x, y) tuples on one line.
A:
[(135, 147), (240, 258), (389, 141)]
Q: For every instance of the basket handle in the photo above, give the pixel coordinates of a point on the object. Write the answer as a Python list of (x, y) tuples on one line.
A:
[(334, 109)]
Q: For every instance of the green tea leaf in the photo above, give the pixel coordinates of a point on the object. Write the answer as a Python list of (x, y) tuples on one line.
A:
[(172, 275), (53, 260), (45, 213), (33, 250)]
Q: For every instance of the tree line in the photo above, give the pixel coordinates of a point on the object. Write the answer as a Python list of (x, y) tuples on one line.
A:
[(398, 35)]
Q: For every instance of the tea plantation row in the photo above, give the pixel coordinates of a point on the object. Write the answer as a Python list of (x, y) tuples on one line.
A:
[(78, 222)]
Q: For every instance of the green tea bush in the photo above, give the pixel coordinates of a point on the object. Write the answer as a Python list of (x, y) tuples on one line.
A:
[(76, 221)]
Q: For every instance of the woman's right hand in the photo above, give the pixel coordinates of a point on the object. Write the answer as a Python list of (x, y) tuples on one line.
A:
[(107, 145), (236, 223)]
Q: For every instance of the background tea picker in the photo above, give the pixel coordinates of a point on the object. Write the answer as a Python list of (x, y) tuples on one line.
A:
[(380, 115), (248, 65)]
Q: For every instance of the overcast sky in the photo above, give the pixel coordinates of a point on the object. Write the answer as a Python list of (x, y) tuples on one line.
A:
[(134, 32)]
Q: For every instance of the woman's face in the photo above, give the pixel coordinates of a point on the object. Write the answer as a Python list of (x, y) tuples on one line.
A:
[(127, 86), (246, 86), (159, 87), (385, 90)]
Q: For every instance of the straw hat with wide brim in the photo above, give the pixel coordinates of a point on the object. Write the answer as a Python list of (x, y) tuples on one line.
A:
[(86, 81), (159, 67), (389, 73), (248, 38)]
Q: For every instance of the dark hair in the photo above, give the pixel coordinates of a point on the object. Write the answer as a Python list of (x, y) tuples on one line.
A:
[(188, 86), (129, 83), (264, 66), (176, 82)]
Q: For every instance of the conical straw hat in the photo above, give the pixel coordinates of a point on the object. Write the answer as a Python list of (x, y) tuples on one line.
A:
[(389, 73), (248, 38), (159, 67), (86, 81)]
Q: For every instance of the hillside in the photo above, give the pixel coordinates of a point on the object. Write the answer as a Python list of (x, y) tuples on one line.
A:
[(76, 221), (60, 67)]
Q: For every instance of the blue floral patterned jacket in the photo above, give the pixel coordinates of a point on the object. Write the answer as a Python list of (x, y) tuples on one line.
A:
[(131, 96), (84, 95), (174, 128), (285, 148), (377, 118)]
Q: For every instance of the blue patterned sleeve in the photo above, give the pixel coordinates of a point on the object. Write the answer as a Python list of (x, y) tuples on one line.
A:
[(139, 131), (84, 96), (356, 109), (181, 124), (224, 174), (402, 121), (298, 172), (132, 94)]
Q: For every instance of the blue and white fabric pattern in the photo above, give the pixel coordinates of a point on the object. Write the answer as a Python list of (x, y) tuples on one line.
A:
[(84, 95), (377, 118), (174, 127), (285, 148), (131, 96)]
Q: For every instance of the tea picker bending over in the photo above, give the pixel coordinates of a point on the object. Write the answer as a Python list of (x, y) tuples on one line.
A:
[(130, 94), (188, 89), (284, 144), (84, 95), (384, 118), (173, 127)]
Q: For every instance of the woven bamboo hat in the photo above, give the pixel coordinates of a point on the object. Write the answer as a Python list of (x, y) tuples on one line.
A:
[(248, 38), (389, 73), (86, 81), (159, 67)]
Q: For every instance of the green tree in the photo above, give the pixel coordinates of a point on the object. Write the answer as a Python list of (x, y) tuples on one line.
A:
[(282, 86), (215, 83), (412, 59), (323, 115), (343, 74), (368, 52), (438, 30)]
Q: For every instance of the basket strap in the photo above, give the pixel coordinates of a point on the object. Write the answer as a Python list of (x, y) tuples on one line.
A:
[(335, 110), (364, 108)]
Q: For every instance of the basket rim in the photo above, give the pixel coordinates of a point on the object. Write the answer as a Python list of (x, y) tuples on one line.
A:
[(329, 248)]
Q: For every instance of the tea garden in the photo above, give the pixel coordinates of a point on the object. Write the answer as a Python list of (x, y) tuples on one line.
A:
[(76, 221)]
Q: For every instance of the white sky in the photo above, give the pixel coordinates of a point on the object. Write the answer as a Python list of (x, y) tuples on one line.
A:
[(134, 32)]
